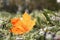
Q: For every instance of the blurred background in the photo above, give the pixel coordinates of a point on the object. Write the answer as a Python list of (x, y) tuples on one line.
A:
[(46, 13), (15, 5)]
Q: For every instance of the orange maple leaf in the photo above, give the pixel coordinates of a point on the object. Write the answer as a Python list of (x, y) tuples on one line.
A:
[(21, 26)]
